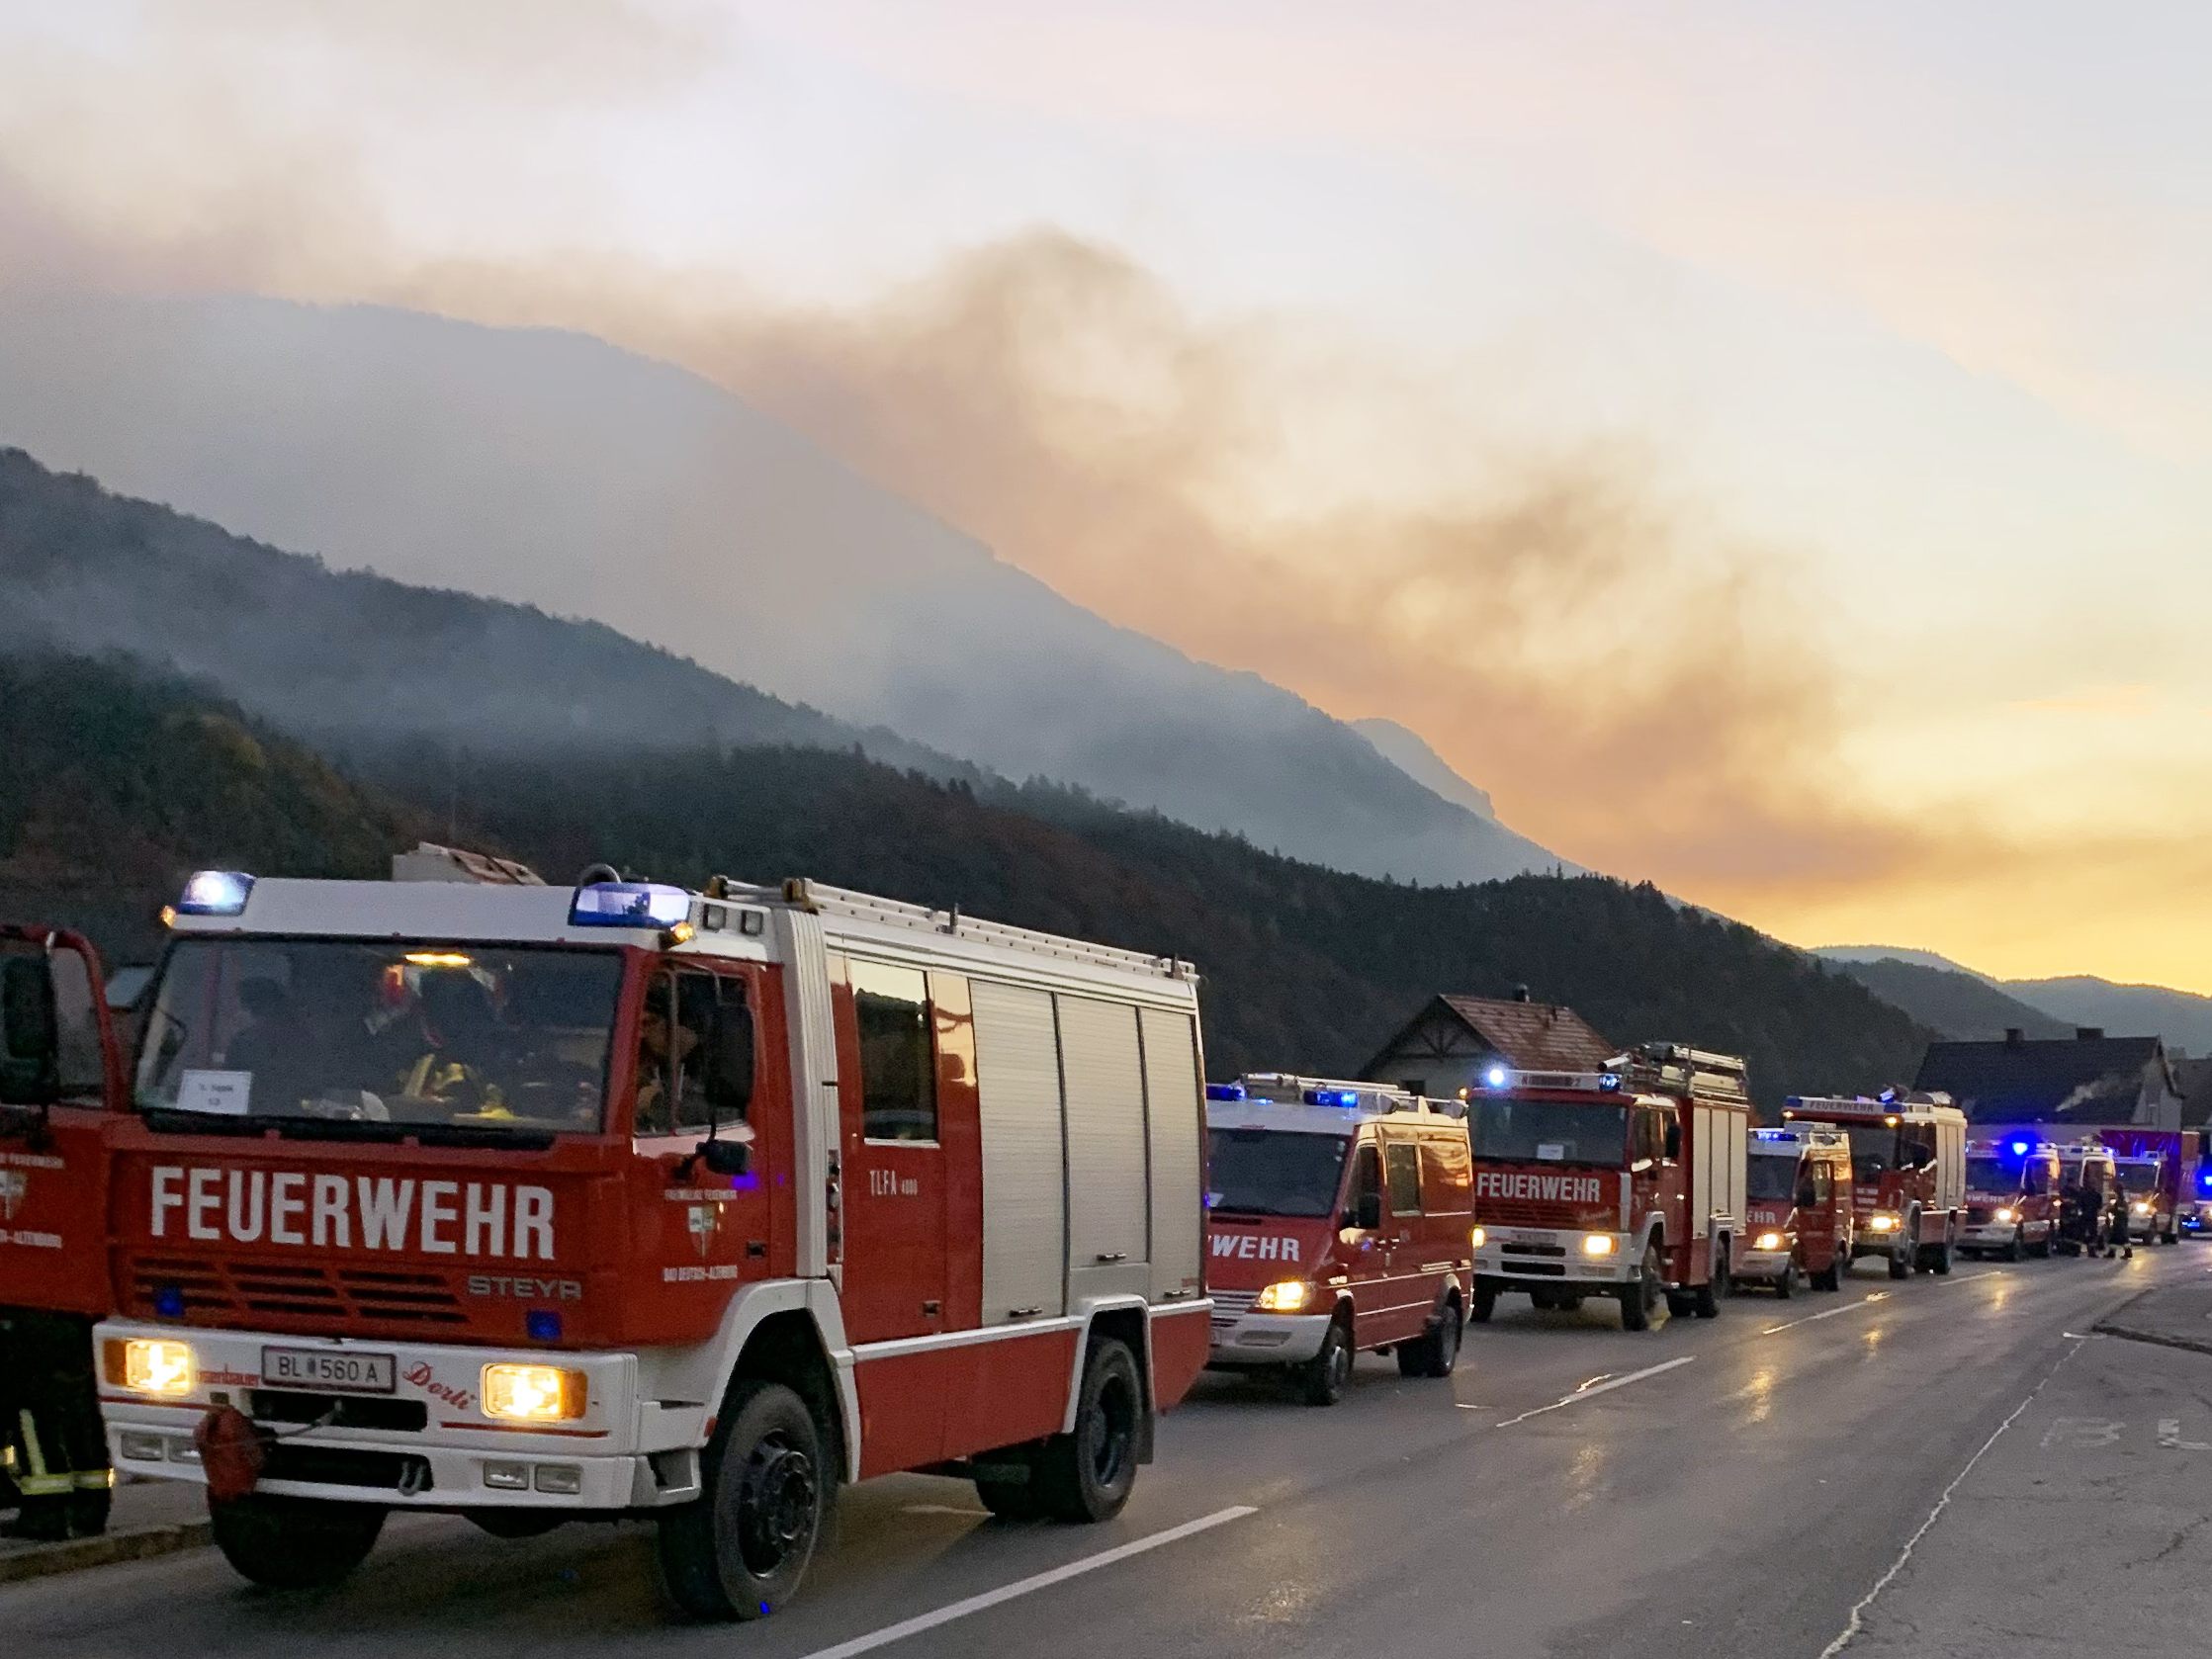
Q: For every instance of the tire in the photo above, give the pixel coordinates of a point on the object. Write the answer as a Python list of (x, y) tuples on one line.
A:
[(1829, 1277), (1086, 1475), (2017, 1247), (1011, 1499), (1786, 1285), (1485, 1303), (740, 1549), (515, 1524), (1707, 1299), (1438, 1351), (1901, 1263), (294, 1544), (1640, 1301), (1939, 1259), (1323, 1378)]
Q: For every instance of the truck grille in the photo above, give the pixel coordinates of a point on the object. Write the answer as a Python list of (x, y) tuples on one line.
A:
[(1979, 1213), (1552, 1251), (326, 1465), (246, 1291), (1229, 1306)]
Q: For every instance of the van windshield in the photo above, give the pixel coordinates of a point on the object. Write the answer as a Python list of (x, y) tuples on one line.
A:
[(1548, 1132), (1992, 1175), (2138, 1176), (480, 1038), (1773, 1178), (1273, 1172)]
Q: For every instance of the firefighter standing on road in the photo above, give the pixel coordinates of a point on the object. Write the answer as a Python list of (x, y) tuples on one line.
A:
[(54, 1449)]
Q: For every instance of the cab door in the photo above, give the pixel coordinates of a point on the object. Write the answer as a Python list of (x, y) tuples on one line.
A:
[(1411, 1284), (1816, 1215), (1362, 1247), (895, 1190)]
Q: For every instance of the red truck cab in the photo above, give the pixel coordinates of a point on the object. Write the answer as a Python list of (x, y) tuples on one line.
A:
[(2158, 1168), (1908, 1170), (2012, 1196), (1340, 1221), (1799, 1221), (1627, 1184)]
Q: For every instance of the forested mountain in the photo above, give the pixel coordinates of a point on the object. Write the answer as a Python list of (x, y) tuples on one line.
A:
[(1952, 1002), (119, 781), (553, 469)]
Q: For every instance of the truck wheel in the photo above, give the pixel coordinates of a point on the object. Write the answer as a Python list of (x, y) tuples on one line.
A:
[(1786, 1285), (515, 1524), (1013, 1495), (1900, 1261), (1939, 1259), (294, 1544), (1322, 1382), (1485, 1303), (740, 1549), (1829, 1277), (1086, 1475), (1640, 1301), (1438, 1351), (1706, 1301)]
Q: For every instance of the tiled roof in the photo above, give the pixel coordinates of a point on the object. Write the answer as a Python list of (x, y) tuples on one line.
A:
[(1533, 1036), (2084, 1078)]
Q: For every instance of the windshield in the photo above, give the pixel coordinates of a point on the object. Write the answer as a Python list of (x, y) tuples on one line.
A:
[(1774, 1178), (1874, 1149), (486, 1038), (1549, 1131), (1270, 1172), (2138, 1177), (1992, 1175)]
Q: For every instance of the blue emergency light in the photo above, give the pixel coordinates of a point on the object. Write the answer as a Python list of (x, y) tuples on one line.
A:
[(1332, 1096), (1497, 1077), (1224, 1091), (216, 893), (1889, 1096), (1609, 1082), (629, 904), (2020, 1148), (1773, 1134)]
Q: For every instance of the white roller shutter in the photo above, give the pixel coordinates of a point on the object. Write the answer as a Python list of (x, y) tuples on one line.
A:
[(1173, 1110), (1103, 1074), (1017, 1084)]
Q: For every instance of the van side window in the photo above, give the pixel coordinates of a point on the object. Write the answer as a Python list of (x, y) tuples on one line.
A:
[(1401, 1171), (1366, 1176), (898, 1069)]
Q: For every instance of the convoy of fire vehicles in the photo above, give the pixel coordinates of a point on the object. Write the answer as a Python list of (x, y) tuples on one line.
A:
[(462, 1193)]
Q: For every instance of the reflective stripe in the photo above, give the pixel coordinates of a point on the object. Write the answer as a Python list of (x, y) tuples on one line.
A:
[(30, 1448), (46, 1486), (95, 1480)]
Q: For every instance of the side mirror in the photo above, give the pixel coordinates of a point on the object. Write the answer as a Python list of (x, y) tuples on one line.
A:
[(1366, 1212), (30, 1033), (726, 1158), (1674, 1140)]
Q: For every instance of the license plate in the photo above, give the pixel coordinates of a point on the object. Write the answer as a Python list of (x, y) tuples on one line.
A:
[(1524, 1235), (343, 1372)]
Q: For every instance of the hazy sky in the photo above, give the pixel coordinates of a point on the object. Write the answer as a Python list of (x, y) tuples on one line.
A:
[(1768, 447)]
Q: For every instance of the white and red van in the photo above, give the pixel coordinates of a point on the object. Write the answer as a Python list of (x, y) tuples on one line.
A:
[(1799, 1221), (1340, 1221), (2013, 1187)]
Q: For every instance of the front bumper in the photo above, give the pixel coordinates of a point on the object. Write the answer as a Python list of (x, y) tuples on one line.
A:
[(430, 1447), (1268, 1338), (1998, 1235), (1763, 1263), (1524, 1258)]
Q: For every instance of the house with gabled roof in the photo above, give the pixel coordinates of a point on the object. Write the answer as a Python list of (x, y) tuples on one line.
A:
[(1454, 1039), (2088, 1078)]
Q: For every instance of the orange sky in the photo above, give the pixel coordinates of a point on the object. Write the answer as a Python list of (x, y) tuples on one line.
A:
[(1768, 450)]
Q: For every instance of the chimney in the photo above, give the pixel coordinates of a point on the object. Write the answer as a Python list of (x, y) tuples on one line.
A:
[(1520, 993), (2089, 1033), (2014, 1037)]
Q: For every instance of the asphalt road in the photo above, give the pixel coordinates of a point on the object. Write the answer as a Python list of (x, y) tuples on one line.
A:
[(1787, 1478)]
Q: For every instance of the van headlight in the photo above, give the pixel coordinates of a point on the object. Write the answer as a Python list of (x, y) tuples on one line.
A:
[(1477, 1237), (2142, 1206), (1288, 1296), (1767, 1241), (2005, 1217), (156, 1365), (1881, 1223), (533, 1393), (1599, 1244)]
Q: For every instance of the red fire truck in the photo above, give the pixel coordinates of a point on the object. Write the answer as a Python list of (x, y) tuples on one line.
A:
[(1627, 1183), (1908, 1157), (1798, 1222), (2012, 1196), (1341, 1221), (61, 1076), (530, 1203), (2159, 1170)]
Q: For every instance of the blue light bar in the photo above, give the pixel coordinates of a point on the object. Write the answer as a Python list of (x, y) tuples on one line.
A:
[(1609, 1080), (629, 904), (1332, 1096), (1497, 1077), (1774, 1134), (1224, 1091), (1889, 1096), (216, 893)]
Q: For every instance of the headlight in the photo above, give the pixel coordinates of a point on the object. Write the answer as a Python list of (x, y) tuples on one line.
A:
[(1477, 1237), (533, 1393), (2004, 1217), (151, 1365), (1881, 1223), (1287, 1297), (2142, 1206), (1767, 1241), (1599, 1244)]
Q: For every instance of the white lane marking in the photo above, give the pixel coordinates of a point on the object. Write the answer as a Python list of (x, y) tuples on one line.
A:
[(1859, 1306), (1022, 1587), (1852, 1630), (1593, 1388)]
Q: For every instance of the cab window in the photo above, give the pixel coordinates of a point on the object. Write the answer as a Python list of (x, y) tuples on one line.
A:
[(898, 1068), (1365, 1182), (689, 1049), (1401, 1175)]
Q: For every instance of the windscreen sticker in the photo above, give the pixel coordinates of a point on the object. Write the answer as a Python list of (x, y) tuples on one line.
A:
[(1552, 1151), (216, 1093)]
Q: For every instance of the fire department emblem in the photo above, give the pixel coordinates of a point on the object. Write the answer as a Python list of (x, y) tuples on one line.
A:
[(706, 1221), (14, 1183)]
